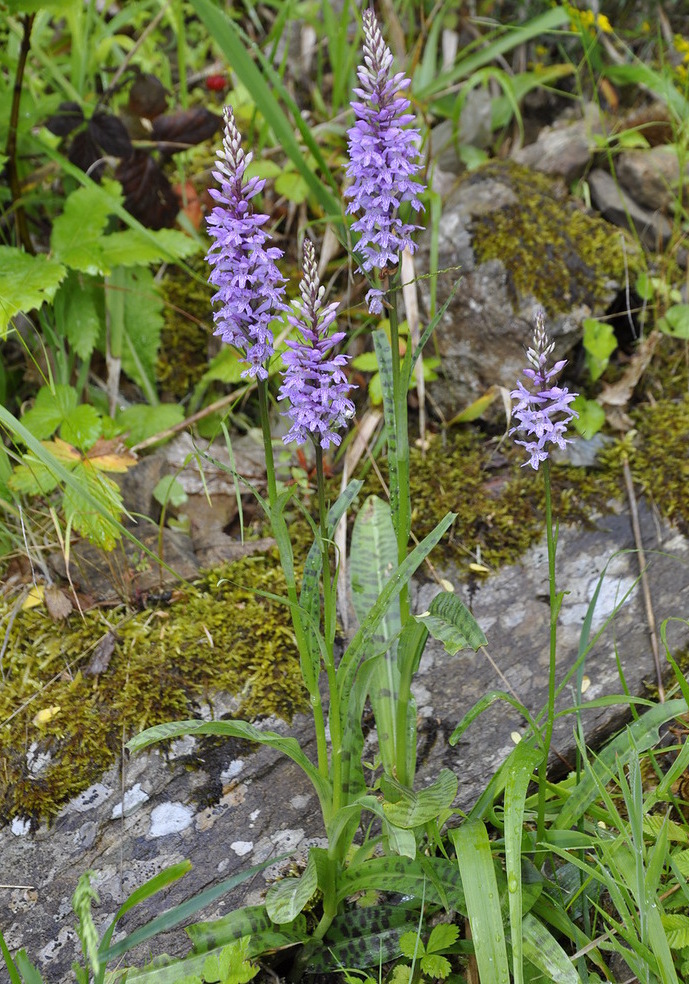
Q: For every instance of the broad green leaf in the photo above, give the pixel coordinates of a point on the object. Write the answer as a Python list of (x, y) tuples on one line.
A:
[(141, 421), (225, 367), (287, 897), (80, 312), (436, 879), (130, 247), (676, 926), (442, 936), (482, 900), (591, 417), (77, 236), (362, 937), (293, 186), (372, 561), (25, 282), (366, 362), (100, 529), (230, 965), (599, 343), (143, 323), (450, 621), (170, 491), (676, 321), (408, 809), (82, 427), (52, 406), (435, 965)]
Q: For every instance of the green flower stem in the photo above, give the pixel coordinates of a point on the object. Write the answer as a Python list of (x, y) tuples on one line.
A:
[(554, 610), (402, 494), (282, 539), (329, 621)]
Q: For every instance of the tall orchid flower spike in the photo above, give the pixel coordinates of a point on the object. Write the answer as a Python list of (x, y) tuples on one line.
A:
[(384, 160), (249, 285), (314, 381), (543, 411)]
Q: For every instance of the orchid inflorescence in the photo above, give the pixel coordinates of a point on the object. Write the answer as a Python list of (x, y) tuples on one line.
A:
[(544, 410), (383, 161)]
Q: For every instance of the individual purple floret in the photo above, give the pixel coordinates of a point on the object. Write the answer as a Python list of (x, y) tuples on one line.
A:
[(543, 411), (249, 284), (314, 382), (383, 160)]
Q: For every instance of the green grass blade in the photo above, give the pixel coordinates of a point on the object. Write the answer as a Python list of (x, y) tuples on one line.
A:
[(482, 900), (384, 359), (525, 760), (9, 962), (641, 735), (226, 36)]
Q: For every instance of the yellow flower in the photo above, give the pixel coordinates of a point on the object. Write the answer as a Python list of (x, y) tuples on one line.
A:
[(603, 24)]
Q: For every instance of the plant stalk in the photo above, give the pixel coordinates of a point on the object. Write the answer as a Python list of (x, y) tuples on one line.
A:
[(403, 518), (21, 224), (554, 609)]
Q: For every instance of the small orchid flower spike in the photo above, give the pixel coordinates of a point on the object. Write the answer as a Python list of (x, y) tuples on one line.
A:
[(383, 161), (543, 411), (314, 381), (249, 285)]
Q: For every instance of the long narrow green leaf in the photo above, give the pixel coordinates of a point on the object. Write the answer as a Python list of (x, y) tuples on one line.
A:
[(181, 913), (372, 559), (226, 36), (641, 735), (543, 951), (401, 576), (287, 897), (9, 962), (525, 760), (437, 879), (237, 729), (482, 900), (384, 360), (408, 809)]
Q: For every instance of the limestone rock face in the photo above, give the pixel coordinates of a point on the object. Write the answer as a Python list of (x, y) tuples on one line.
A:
[(509, 240)]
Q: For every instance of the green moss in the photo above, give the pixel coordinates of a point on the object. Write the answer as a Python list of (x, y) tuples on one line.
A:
[(183, 356), (220, 637), (552, 249), (658, 457)]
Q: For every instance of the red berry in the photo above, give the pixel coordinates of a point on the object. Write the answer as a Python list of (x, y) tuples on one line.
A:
[(216, 83)]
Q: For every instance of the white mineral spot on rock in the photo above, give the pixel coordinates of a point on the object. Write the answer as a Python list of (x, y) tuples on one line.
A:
[(182, 746), (299, 802), (242, 847), (254, 814), (233, 770), (91, 798), (19, 827), (169, 818), (132, 798), (35, 760), (287, 840)]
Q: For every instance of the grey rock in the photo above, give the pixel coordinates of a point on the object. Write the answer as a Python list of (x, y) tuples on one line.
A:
[(618, 207), (482, 335), (651, 176), (564, 149), (228, 805)]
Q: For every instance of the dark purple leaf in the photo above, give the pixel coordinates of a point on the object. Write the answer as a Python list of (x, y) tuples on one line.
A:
[(148, 194), (110, 134), (84, 153), (67, 118), (147, 96), (175, 131)]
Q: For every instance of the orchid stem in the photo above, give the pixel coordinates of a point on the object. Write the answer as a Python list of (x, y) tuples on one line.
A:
[(554, 610)]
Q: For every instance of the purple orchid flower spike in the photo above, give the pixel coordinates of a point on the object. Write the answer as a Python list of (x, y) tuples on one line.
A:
[(249, 285), (543, 411), (314, 381), (383, 161)]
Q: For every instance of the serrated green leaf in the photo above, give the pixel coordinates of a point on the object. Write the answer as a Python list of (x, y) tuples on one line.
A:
[(450, 621), (411, 945), (676, 928), (80, 312), (52, 406), (85, 519), (32, 477), (435, 966), (599, 343), (26, 282), (654, 822), (676, 321), (143, 323), (142, 421), (442, 936), (366, 362), (225, 367), (81, 427), (77, 236)]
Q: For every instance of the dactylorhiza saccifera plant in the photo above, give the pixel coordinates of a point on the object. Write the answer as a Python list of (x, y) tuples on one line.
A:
[(543, 412), (384, 653)]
